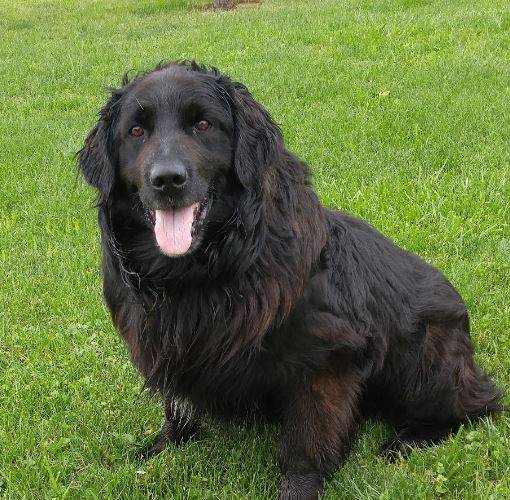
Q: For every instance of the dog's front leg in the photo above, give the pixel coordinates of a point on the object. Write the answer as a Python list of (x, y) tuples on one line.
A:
[(316, 433), (181, 424)]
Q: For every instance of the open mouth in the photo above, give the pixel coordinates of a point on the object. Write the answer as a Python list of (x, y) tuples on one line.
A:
[(177, 228)]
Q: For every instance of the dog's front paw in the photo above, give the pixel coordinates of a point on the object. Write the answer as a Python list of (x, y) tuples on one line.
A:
[(155, 447), (170, 433), (301, 487)]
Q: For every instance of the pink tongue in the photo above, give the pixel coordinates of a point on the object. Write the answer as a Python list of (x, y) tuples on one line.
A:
[(173, 229)]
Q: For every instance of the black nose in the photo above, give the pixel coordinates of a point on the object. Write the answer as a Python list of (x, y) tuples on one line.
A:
[(166, 177)]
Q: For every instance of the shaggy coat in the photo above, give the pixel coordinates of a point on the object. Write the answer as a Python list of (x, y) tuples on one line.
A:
[(280, 309)]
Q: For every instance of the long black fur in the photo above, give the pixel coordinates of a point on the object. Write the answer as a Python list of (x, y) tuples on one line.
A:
[(287, 311)]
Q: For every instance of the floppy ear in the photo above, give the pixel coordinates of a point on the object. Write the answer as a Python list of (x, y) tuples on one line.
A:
[(95, 158), (257, 139)]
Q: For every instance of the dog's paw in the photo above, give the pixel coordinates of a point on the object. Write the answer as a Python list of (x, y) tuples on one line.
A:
[(155, 447), (301, 487), (400, 446), (170, 434), (393, 449)]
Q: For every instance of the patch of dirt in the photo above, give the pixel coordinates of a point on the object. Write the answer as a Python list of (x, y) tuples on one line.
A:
[(248, 5), (237, 5)]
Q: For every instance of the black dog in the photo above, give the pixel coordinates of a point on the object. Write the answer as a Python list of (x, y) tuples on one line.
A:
[(240, 296)]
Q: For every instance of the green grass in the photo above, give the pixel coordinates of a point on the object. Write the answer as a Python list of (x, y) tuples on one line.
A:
[(402, 110)]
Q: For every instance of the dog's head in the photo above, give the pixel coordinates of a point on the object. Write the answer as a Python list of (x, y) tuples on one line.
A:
[(174, 139)]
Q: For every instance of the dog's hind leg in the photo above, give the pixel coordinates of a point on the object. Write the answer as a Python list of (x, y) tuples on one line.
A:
[(445, 390), (180, 425), (402, 442)]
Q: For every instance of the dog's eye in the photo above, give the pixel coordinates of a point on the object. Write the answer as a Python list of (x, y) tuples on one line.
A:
[(202, 125), (136, 131)]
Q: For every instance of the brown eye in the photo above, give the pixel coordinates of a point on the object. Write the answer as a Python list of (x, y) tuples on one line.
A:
[(136, 131), (202, 125)]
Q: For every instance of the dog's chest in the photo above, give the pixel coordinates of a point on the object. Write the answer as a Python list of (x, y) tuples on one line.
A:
[(203, 353)]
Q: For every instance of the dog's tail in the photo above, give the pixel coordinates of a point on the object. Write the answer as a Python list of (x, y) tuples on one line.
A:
[(479, 396)]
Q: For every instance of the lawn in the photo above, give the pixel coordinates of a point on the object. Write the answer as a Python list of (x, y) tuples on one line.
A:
[(402, 110)]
